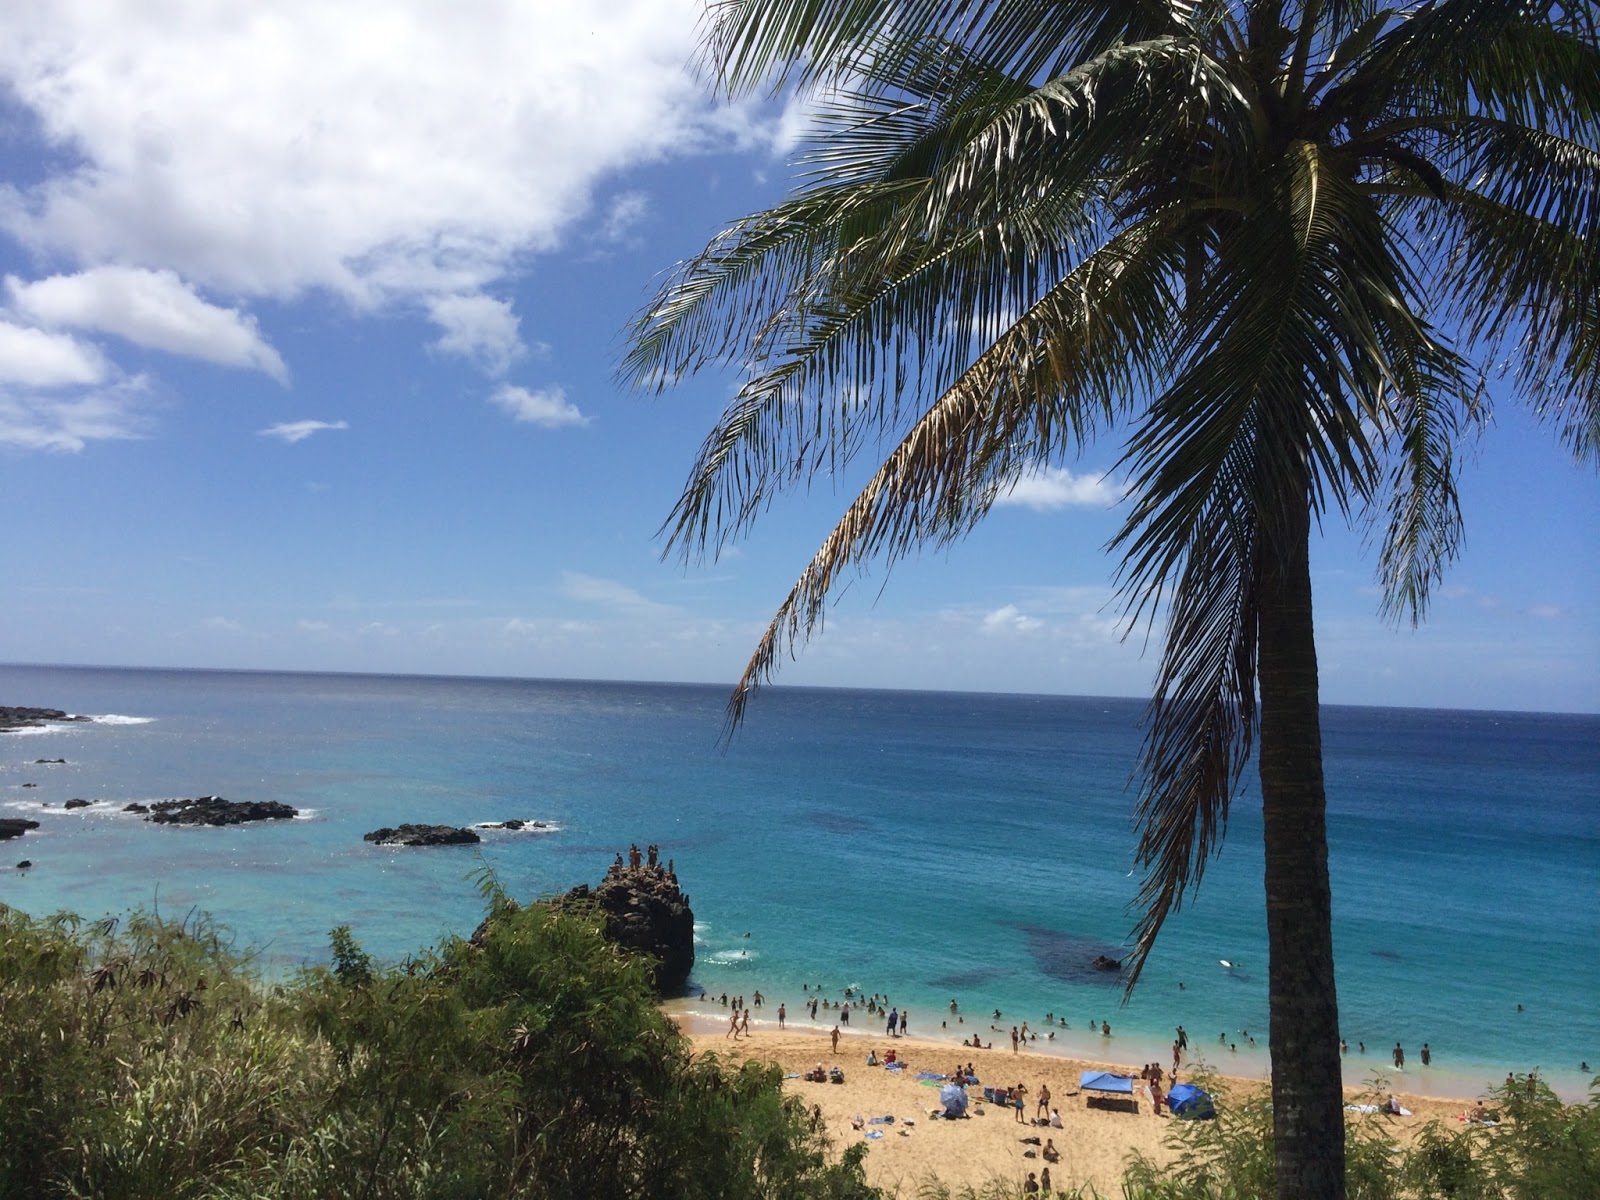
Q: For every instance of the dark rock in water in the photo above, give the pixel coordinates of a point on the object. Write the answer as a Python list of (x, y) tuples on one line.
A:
[(30, 785), (32, 718), (76, 803), (25, 864), (422, 835), (214, 810), (11, 827), (49, 762), (1104, 962), (644, 910), (136, 808), (511, 824)]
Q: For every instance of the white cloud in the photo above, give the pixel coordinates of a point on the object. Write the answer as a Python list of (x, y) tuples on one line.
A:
[(1009, 620), (608, 593), (380, 149), (36, 358), (149, 308), (546, 407), (622, 215), (1057, 487), (298, 431), (35, 421), (479, 328)]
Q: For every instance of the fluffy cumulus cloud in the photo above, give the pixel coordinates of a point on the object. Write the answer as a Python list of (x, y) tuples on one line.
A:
[(376, 148), (298, 431), (479, 328), (35, 358), (548, 408), (1057, 487), (149, 308), (1009, 620)]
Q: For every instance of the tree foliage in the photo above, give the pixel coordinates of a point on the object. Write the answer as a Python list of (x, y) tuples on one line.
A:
[(150, 1061)]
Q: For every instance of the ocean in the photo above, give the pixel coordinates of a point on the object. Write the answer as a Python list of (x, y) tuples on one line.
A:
[(925, 846)]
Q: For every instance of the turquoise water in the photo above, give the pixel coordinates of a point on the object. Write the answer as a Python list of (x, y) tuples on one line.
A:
[(928, 846)]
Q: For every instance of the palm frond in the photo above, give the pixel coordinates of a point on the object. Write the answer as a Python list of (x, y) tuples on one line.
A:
[(1060, 371)]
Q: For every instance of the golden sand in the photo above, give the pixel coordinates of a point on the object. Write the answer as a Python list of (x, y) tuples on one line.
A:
[(1094, 1142)]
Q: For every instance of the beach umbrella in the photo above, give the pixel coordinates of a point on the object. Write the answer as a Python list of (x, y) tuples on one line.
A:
[(954, 1098)]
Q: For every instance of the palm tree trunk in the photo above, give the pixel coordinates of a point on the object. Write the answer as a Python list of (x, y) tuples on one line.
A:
[(1307, 1096)]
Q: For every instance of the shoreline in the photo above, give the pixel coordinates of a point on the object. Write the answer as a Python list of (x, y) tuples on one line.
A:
[(1123, 1054), (995, 1142)]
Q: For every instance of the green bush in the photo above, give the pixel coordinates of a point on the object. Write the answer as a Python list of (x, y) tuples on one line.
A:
[(151, 1061)]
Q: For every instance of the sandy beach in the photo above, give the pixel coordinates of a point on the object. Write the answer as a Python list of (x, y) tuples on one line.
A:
[(1093, 1141)]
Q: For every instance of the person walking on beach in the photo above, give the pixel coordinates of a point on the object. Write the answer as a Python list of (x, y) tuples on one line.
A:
[(744, 1025), (1014, 1036), (1044, 1100), (733, 1027), (1399, 1057), (835, 1036), (1177, 1053), (894, 1022), (905, 1023), (781, 1015)]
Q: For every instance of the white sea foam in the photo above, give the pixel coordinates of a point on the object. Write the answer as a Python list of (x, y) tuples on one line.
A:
[(34, 730), (119, 719), (529, 827), (728, 958)]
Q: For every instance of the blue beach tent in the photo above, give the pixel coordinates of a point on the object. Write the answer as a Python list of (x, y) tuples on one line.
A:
[(1105, 1081), (1186, 1100)]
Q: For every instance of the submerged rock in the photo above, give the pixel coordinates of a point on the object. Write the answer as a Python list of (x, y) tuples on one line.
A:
[(422, 835), (11, 827), (1104, 962), (214, 810), (644, 910)]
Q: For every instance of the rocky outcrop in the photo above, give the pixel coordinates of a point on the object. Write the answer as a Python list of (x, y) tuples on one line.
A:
[(513, 824), (11, 827), (214, 810), (136, 807), (49, 762), (422, 835), (1104, 962), (644, 910), (76, 803), (32, 718)]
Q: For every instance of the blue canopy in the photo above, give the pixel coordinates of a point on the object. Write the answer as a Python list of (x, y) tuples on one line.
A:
[(1105, 1081), (954, 1098), (1186, 1100)]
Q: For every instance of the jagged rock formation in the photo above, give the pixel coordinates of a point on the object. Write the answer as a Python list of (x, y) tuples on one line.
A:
[(29, 718), (11, 827), (644, 910), (422, 835), (214, 810)]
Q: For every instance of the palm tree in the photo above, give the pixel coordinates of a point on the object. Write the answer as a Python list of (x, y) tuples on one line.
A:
[(1278, 247)]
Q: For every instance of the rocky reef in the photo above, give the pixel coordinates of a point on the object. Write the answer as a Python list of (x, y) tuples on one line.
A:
[(32, 718), (644, 910), (214, 810), (11, 827), (422, 835)]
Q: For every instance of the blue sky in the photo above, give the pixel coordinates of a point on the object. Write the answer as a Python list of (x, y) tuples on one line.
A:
[(308, 330)]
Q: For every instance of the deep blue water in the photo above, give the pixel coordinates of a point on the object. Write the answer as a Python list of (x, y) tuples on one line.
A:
[(926, 845)]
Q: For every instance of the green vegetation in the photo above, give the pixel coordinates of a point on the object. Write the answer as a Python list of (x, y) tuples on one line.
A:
[(1540, 1150), (1276, 251), (151, 1061)]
